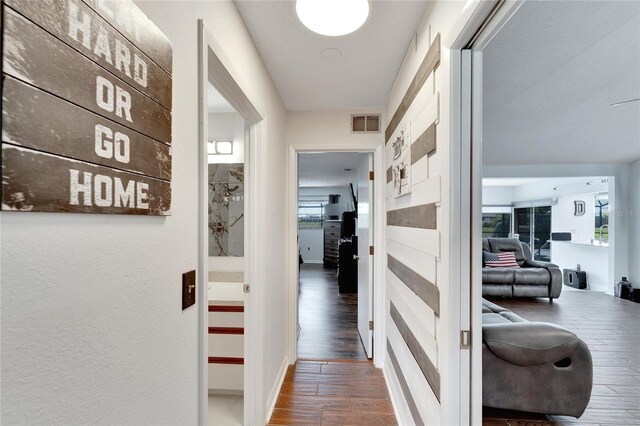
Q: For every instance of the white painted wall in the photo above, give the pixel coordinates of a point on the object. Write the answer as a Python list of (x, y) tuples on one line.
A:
[(429, 257), (311, 245), (91, 304), (593, 260), (582, 228), (311, 127), (497, 195), (579, 251), (634, 223)]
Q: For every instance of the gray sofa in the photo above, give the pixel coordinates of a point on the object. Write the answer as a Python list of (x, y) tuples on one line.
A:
[(532, 279), (533, 366)]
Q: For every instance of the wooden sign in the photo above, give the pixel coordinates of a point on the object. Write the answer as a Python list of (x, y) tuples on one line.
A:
[(86, 108)]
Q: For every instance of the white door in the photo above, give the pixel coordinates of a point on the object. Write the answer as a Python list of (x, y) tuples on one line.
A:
[(365, 263)]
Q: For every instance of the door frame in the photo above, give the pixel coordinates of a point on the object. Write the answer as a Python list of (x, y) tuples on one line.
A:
[(377, 149), (214, 67), (478, 23)]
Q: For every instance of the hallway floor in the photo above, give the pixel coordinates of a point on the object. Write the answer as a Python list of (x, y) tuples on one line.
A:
[(332, 393), (328, 319), (609, 326)]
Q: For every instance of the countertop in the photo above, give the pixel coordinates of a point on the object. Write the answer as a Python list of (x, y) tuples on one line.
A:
[(226, 293)]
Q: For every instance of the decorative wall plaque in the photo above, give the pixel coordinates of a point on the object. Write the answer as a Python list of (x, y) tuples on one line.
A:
[(579, 208), (86, 108), (401, 164)]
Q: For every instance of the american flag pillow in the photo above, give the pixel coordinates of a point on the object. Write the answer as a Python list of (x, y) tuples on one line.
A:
[(500, 260)]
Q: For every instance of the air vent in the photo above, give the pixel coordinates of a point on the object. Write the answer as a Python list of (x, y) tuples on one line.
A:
[(365, 123)]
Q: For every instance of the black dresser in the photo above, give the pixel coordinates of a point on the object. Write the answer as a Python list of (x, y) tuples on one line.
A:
[(348, 266)]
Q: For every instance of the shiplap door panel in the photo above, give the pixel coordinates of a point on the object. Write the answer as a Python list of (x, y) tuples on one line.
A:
[(423, 396), (424, 192), (407, 410), (429, 115), (420, 262), (420, 170), (424, 240), (418, 316)]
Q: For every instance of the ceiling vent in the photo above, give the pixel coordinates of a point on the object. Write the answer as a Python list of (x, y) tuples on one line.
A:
[(365, 123)]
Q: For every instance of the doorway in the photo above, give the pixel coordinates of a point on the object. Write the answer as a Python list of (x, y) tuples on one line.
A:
[(367, 159), (230, 133), (577, 155), (334, 236)]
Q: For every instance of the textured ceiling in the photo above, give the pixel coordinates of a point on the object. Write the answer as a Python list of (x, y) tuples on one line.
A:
[(327, 169), (360, 78), (550, 76)]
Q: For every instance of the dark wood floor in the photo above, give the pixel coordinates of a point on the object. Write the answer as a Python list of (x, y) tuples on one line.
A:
[(611, 328), (333, 393), (328, 319)]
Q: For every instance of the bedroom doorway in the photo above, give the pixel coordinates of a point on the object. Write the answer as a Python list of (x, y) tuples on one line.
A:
[(333, 232), (336, 278)]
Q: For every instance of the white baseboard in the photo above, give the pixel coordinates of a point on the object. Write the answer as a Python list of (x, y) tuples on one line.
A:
[(275, 390)]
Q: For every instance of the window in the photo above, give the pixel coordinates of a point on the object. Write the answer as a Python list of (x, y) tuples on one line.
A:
[(602, 217), (496, 225), (311, 214), (533, 225)]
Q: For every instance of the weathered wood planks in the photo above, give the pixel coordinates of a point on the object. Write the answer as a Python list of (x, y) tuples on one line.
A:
[(86, 108), (39, 182), (428, 65), (79, 26), (52, 132)]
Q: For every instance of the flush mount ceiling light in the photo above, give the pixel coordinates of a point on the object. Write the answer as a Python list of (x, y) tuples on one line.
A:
[(332, 17)]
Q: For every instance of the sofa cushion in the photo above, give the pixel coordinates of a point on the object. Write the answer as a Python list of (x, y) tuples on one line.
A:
[(529, 343), (531, 276), (497, 276), (500, 245), (492, 308), (530, 290)]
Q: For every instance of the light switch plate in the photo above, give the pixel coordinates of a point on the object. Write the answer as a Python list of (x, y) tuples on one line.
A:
[(188, 289)]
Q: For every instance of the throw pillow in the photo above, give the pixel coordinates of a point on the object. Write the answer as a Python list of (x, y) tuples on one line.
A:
[(500, 260)]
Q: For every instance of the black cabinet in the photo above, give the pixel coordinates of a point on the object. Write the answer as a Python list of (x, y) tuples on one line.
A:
[(348, 266)]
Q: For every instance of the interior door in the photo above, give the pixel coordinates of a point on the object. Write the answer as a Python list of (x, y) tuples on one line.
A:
[(364, 232)]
